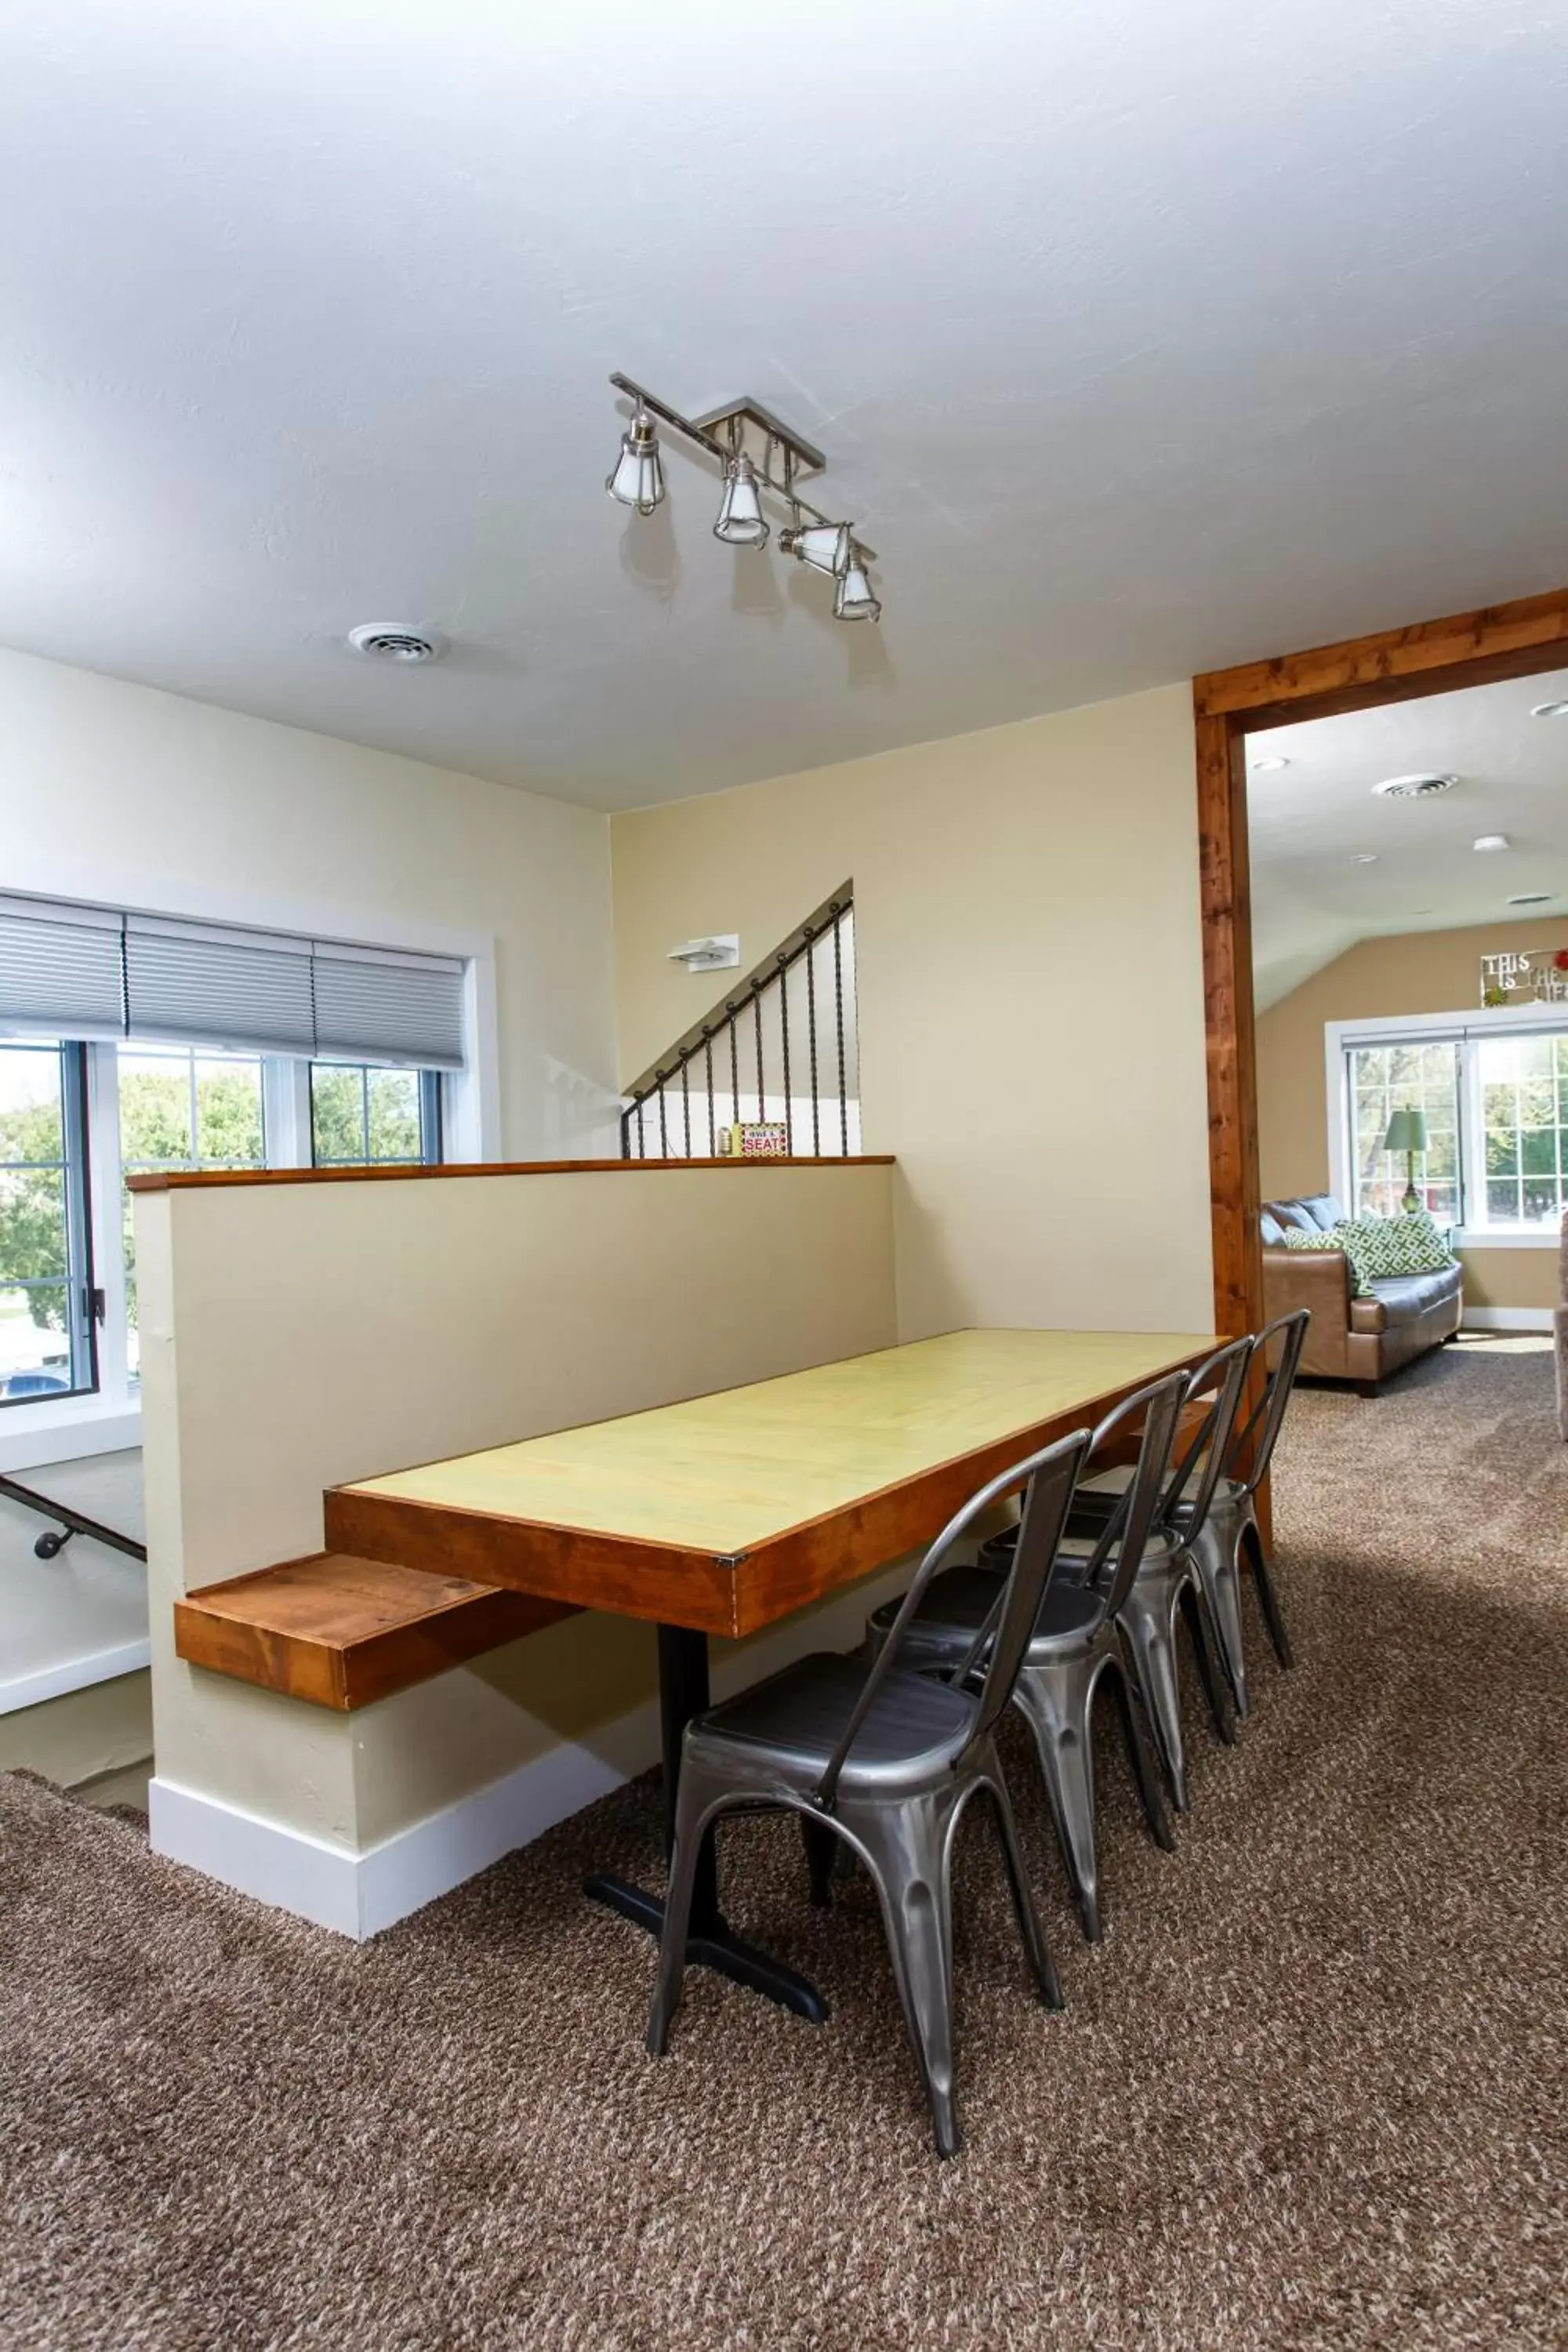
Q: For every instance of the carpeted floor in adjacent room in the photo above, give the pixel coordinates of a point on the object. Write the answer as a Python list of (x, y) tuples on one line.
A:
[(1310, 2092)]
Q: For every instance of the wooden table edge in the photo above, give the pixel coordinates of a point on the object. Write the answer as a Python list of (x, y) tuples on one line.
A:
[(742, 1593)]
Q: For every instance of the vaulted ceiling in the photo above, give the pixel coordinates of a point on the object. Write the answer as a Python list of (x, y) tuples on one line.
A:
[(1141, 340)]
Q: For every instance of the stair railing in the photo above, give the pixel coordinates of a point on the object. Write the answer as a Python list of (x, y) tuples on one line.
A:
[(781, 1050)]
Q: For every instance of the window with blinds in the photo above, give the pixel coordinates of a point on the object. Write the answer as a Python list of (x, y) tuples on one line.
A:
[(89, 973)]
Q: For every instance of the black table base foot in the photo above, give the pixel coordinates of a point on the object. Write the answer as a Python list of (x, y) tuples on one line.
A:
[(712, 1945)]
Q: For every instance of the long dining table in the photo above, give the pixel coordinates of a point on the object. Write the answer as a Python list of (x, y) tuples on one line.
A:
[(729, 1512)]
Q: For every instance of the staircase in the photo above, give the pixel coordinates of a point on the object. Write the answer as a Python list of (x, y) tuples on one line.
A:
[(781, 1050)]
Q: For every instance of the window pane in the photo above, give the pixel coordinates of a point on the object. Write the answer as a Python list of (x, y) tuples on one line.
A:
[(1523, 1107), (44, 1267), (156, 1110), (33, 1224), (181, 1109), (228, 1114), (395, 1114), (1423, 1076), (31, 1126), (34, 1342), (337, 1114), (362, 1116)]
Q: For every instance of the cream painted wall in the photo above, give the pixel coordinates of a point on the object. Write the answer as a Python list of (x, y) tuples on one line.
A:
[(1416, 971), (295, 1336), (120, 792), (114, 791), (1030, 996)]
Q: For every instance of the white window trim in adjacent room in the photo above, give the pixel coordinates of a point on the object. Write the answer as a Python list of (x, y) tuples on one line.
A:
[(1468, 1028), (110, 1420)]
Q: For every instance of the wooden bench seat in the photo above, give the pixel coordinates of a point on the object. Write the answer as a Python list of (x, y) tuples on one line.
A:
[(341, 1632)]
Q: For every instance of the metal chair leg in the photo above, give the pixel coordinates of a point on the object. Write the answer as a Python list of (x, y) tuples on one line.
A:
[(689, 1832), (1147, 1620), (1219, 1567), (906, 1846), (1141, 1755), (1268, 1599), (1057, 1701), (1028, 1918), (1194, 1603), (821, 1850)]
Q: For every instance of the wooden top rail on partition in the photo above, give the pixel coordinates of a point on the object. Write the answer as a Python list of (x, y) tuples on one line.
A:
[(181, 1180)]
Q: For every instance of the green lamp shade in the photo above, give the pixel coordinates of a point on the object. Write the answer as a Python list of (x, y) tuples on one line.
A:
[(1406, 1131)]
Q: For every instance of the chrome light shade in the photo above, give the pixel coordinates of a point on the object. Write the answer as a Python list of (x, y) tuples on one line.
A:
[(741, 523), (826, 547), (638, 479), (852, 596)]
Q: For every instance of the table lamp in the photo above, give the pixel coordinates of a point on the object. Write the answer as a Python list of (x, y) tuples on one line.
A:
[(1407, 1133)]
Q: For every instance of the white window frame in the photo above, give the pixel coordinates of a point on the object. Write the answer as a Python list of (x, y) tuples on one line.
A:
[(1411, 1028)]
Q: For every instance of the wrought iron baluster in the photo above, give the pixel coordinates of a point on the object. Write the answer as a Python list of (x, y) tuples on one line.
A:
[(734, 1061), (783, 1031), (838, 913), (708, 1064), (663, 1131), (757, 1009), (811, 1040), (642, 1139), (686, 1103)]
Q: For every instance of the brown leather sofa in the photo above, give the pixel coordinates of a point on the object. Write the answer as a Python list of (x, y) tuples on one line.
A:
[(1360, 1339)]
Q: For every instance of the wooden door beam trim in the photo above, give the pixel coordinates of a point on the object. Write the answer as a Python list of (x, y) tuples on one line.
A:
[(1497, 641)]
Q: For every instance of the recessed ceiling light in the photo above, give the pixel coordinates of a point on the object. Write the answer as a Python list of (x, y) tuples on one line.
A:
[(1364, 857), (1549, 710), (395, 641), (1267, 767), (1490, 841), (1533, 898), (1413, 788)]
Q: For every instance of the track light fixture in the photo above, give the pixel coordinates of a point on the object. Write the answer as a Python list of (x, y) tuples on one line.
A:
[(757, 454), (639, 477)]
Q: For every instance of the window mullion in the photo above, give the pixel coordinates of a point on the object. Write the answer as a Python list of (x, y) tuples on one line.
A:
[(106, 1180)]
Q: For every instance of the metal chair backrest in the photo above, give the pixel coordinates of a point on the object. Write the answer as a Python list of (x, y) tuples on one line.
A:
[(1200, 1462), (999, 1647), (1252, 1444), (1128, 1529)]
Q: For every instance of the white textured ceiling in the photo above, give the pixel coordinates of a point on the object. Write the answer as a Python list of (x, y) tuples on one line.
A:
[(1143, 339), (1308, 821)]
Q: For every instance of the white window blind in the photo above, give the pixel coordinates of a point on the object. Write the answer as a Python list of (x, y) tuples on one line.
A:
[(84, 971), (199, 987), (60, 972), (377, 1006)]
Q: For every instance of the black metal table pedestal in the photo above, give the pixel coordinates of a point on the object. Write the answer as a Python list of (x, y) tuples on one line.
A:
[(710, 1944)]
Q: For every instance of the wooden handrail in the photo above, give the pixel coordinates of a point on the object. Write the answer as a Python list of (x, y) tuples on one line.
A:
[(182, 1180)]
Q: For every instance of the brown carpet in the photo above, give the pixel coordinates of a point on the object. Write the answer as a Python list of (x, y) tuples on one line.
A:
[(1310, 2092)]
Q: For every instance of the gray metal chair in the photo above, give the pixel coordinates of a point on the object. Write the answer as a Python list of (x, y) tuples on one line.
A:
[(886, 1761), (1168, 1584), (1231, 1539), (1075, 1642)]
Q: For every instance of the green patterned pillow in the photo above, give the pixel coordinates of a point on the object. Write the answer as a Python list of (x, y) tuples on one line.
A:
[(1295, 1238), (1381, 1248)]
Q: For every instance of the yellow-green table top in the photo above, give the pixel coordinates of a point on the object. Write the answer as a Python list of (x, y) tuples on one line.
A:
[(726, 1473)]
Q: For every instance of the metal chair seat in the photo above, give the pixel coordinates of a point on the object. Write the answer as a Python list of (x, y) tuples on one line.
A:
[(909, 1737), (958, 1604)]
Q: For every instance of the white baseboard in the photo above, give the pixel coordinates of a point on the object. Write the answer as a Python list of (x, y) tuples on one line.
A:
[(1507, 1318), (75, 1673), (359, 1894)]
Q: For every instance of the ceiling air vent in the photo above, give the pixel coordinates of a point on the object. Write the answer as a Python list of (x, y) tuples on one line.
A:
[(389, 641), (1413, 788)]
